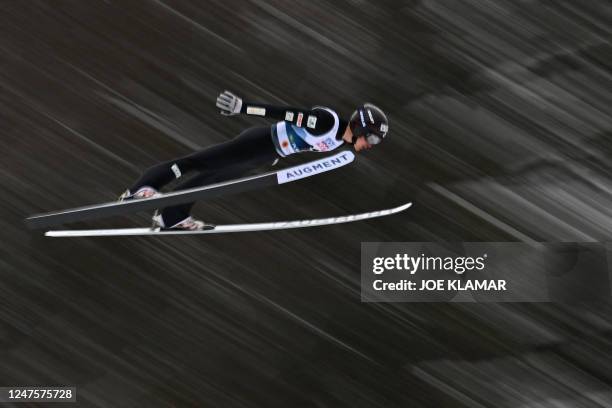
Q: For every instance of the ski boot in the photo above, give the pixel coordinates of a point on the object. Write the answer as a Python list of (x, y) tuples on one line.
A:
[(188, 224), (141, 193)]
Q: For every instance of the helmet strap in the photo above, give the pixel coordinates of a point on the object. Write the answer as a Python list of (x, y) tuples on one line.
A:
[(353, 137)]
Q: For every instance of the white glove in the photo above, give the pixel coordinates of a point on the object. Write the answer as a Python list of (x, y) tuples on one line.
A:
[(229, 103)]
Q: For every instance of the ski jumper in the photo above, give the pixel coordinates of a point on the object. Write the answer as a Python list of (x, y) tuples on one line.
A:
[(319, 129)]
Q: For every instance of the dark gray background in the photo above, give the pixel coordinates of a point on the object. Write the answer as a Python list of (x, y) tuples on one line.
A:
[(500, 131)]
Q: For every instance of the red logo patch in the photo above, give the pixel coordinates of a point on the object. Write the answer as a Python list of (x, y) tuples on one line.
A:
[(285, 143), (323, 146)]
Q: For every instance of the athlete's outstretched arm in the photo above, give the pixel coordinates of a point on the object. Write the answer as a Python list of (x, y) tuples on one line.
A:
[(231, 104)]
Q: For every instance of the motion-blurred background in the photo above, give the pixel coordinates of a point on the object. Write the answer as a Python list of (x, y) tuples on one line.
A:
[(499, 131)]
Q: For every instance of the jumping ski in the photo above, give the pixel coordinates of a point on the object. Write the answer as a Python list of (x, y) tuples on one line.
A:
[(267, 226), (269, 179)]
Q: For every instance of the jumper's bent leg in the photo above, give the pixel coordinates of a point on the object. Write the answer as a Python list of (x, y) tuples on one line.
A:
[(252, 149), (174, 215), (163, 173)]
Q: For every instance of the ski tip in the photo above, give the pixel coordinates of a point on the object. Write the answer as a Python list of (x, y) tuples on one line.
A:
[(404, 206)]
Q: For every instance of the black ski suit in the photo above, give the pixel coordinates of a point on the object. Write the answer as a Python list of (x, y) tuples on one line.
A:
[(318, 129)]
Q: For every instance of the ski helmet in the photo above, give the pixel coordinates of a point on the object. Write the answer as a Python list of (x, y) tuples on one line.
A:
[(369, 121)]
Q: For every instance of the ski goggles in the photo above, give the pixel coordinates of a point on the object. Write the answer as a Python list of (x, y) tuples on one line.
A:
[(373, 138)]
